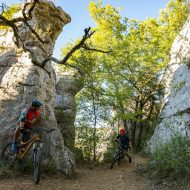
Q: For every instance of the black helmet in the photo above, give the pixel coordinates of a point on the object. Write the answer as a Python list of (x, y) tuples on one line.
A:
[(36, 103)]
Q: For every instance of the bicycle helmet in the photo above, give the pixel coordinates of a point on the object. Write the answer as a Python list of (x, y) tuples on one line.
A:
[(122, 131), (36, 103)]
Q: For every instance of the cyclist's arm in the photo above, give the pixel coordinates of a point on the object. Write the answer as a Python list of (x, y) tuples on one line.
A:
[(117, 139), (22, 119), (21, 125), (34, 120)]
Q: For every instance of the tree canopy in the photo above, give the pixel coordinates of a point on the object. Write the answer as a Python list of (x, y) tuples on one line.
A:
[(127, 77)]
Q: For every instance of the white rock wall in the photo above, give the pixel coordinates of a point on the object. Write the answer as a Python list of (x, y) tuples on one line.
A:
[(175, 115)]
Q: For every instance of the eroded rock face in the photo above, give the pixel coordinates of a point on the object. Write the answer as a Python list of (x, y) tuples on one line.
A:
[(175, 115), (21, 81), (68, 85)]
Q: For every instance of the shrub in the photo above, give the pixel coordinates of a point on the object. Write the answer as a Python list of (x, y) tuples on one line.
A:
[(111, 149), (173, 157), (108, 156), (78, 155)]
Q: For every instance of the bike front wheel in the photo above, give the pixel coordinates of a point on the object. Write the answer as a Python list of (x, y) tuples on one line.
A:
[(37, 154), (113, 162), (115, 159)]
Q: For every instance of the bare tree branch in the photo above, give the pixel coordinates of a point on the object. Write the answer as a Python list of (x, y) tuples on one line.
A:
[(6, 22), (12, 23), (63, 63), (87, 34), (2, 6), (36, 62), (93, 49), (29, 17)]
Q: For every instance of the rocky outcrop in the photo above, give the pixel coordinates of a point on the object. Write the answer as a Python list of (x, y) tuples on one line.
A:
[(175, 115), (68, 85), (21, 80)]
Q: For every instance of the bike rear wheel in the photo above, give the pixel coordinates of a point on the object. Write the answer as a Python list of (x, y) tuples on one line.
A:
[(7, 155), (37, 153)]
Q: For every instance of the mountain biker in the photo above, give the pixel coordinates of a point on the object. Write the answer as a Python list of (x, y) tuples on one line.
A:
[(26, 120), (125, 142)]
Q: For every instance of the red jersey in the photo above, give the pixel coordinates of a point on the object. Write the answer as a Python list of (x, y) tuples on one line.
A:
[(28, 115)]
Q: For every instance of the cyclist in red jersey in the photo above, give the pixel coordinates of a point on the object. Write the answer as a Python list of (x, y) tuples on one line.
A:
[(125, 142), (26, 120)]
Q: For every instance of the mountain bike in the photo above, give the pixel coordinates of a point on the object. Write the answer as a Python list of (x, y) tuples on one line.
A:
[(35, 143), (119, 156)]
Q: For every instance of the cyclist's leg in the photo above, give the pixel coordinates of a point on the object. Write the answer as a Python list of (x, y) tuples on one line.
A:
[(16, 134), (26, 134), (15, 146), (125, 151), (127, 154)]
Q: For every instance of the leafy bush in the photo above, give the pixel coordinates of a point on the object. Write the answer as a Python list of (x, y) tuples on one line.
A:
[(109, 154), (188, 187), (78, 155), (7, 172), (173, 157)]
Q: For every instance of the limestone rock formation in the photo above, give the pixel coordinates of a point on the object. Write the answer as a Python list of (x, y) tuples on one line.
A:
[(175, 115), (21, 81), (68, 85)]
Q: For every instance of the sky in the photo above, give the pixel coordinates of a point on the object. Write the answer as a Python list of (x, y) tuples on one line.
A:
[(80, 17)]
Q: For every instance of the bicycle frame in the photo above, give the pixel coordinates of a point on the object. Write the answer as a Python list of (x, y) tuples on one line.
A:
[(120, 151), (28, 145)]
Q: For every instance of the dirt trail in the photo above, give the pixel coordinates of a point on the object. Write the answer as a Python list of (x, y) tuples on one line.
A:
[(123, 177)]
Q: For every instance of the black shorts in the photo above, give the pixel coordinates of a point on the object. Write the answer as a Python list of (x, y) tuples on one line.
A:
[(26, 133)]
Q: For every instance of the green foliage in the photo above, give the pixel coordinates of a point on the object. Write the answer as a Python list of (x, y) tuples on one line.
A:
[(8, 13), (50, 169), (7, 172), (111, 149), (188, 187), (78, 155), (173, 157), (84, 141)]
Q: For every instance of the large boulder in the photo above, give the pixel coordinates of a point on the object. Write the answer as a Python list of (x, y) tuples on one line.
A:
[(21, 80), (175, 114)]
